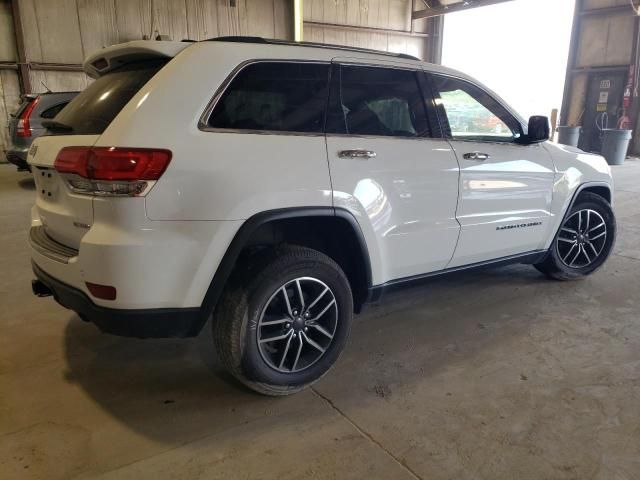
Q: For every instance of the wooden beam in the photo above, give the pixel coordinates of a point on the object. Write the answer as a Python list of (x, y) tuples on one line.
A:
[(357, 28), (298, 23), (23, 67), (8, 66), (56, 67), (600, 12), (602, 69), (458, 7), (576, 31), (53, 67), (435, 27)]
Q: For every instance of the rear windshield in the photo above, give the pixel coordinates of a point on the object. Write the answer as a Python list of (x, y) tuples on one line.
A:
[(92, 111)]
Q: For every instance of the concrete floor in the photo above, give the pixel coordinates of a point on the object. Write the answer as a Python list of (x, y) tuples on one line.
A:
[(494, 375)]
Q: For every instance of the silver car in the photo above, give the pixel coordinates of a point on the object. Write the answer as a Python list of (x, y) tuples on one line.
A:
[(26, 123)]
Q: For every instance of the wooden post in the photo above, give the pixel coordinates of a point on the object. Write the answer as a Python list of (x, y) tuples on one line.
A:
[(23, 66), (298, 20)]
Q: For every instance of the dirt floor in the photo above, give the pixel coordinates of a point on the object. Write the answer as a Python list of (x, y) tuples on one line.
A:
[(500, 374)]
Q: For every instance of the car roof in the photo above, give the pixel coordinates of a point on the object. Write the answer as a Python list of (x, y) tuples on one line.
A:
[(258, 48), (106, 59)]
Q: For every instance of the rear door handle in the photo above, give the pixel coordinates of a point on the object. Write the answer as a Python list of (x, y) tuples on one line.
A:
[(479, 156), (362, 154)]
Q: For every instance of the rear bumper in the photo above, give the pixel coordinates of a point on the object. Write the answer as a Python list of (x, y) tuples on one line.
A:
[(146, 323)]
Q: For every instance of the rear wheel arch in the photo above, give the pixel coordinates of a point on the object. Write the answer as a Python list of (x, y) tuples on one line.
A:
[(334, 232)]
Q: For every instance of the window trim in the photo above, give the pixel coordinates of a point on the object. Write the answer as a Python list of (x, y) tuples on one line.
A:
[(203, 122), (435, 130), (444, 119)]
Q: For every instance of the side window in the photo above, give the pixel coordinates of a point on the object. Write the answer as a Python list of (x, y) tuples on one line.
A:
[(473, 114), (53, 111), (275, 96), (378, 101)]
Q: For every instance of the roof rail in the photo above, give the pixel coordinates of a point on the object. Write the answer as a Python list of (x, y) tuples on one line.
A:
[(272, 41)]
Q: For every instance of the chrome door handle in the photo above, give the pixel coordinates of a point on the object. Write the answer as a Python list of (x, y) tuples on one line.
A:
[(363, 154), (481, 157)]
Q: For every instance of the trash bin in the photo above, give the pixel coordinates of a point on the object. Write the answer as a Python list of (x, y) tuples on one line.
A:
[(569, 135), (615, 144)]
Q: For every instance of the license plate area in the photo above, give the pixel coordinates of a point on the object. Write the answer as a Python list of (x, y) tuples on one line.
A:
[(47, 185)]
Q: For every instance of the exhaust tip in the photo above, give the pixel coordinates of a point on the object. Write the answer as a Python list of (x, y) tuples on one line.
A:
[(40, 289)]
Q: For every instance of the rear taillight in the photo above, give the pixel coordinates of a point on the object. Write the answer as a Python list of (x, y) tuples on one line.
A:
[(111, 170), (23, 127)]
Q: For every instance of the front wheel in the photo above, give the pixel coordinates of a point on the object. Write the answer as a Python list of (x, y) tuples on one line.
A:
[(584, 242), (282, 327)]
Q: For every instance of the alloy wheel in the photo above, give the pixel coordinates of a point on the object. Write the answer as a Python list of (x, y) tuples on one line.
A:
[(297, 325), (582, 239)]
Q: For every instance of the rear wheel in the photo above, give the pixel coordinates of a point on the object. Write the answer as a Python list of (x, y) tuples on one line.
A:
[(281, 327), (584, 242)]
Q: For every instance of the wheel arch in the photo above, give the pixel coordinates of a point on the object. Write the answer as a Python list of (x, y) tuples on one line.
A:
[(601, 189), (272, 227)]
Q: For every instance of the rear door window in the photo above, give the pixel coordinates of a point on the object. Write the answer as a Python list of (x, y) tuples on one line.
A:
[(378, 101), (276, 97), (92, 111)]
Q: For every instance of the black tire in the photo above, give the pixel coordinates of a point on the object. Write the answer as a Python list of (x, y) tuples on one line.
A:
[(235, 327), (555, 267)]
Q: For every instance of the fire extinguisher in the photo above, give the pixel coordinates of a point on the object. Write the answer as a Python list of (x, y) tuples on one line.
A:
[(625, 122)]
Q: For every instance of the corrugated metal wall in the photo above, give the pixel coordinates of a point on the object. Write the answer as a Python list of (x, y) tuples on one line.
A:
[(65, 31), (58, 34), (324, 17), (9, 86), (605, 40)]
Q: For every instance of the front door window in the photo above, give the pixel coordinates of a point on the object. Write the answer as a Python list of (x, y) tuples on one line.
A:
[(472, 114)]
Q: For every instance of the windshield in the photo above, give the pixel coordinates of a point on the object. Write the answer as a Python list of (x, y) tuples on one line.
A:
[(92, 111)]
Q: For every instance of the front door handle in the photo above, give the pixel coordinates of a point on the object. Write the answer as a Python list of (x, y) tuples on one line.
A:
[(361, 154), (481, 157)]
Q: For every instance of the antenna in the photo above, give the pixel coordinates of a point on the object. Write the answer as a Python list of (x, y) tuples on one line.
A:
[(45, 86)]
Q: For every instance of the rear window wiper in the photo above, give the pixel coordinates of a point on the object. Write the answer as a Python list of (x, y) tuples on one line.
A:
[(56, 126)]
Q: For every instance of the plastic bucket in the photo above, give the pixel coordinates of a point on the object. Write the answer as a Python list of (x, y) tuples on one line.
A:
[(615, 144), (569, 135)]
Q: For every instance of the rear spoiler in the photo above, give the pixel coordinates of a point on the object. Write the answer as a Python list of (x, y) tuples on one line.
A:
[(109, 58)]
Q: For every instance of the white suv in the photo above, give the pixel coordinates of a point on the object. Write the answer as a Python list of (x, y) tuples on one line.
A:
[(278, 187)]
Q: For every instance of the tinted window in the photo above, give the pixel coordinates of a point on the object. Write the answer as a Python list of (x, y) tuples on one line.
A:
[(275, 96), (53, 111), (94, 108), (473, 114), (378, 101)]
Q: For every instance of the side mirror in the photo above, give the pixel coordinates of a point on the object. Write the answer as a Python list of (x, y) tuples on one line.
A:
[(539, 130)]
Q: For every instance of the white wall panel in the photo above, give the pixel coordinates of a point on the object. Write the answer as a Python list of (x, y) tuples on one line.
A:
[(58, 81), (57, 38), (7, 35), (98, 24)]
